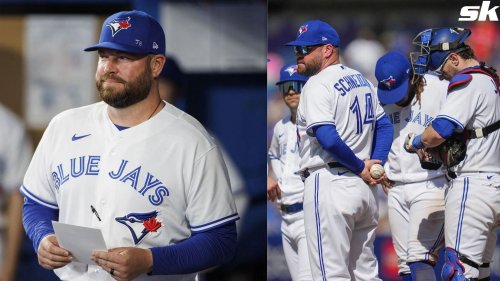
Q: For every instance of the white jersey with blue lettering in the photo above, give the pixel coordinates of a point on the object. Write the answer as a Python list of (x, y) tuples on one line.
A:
[(476, 106), (417, 193), (153, 185), (284, 157), (414, 118), (472, 208), (340, 209), (339, 96)]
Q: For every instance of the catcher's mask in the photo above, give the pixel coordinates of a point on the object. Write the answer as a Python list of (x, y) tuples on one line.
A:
[(435, 46)]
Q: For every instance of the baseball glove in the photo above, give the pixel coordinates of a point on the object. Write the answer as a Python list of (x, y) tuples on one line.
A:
[(427, 160), (452, 151)]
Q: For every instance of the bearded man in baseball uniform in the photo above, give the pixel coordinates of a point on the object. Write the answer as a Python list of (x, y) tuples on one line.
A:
[(341, 126), (145, 173), (289, 192), (465, 136), (416, 191)]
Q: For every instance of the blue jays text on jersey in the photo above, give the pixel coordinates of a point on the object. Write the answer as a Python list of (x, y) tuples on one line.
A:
[(349, 82), (417, 117), (150, 186)]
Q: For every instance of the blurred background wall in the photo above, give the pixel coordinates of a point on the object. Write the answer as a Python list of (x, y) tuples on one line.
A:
[(367, 29), (219, 45)]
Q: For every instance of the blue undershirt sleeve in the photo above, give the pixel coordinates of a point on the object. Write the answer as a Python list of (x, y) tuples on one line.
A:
[(444, 127), (37, 220), (330, 140), (201, 251), (383, 139)]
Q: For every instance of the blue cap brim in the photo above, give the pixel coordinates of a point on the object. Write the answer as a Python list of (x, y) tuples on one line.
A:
[(393, 95), (115, 46), (301, 43), (291, 79)]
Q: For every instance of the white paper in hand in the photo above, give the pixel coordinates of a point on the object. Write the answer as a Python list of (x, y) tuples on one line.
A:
[(79, 241)]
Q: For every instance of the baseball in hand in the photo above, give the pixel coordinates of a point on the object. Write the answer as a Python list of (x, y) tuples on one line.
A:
[(376, 171)]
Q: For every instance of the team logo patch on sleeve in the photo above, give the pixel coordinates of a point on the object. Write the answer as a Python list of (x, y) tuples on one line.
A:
[(119, 24), (140, 224)]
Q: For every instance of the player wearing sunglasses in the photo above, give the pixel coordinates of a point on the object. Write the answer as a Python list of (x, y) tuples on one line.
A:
[(289, 189)]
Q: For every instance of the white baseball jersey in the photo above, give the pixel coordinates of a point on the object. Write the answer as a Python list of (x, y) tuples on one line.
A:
[(402, 166), (476, 106), (418, 194), (338, 96), (473, 199), (340, 209), (152, 184), (284, 157)]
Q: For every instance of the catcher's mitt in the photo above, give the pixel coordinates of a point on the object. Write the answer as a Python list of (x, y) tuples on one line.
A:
[(427, 160), (452, 151)]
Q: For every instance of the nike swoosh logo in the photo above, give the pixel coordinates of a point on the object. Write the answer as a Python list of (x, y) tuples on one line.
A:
[(489, 177), (341, 173), (279, 136), (75, 137)]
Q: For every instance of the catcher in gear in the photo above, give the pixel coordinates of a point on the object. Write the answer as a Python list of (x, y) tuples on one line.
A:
[(471, 208)]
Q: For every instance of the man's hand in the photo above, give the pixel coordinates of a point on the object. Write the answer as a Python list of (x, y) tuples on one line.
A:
[(124, 263), (273, 189), (386, 183), (365, 174), (50, 255)]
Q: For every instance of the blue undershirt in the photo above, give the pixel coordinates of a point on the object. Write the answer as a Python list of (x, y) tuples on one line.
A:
[(121, 128), (382, 140), (201, 251), (330, 140), (442, 126)]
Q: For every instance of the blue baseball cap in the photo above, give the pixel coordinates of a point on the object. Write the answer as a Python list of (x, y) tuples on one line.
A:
[(289, 73), (132, 32), (392, 72), (315, 32)]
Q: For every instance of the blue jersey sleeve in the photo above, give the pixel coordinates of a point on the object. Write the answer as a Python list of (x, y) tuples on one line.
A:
[(37, 220), (330, 140), (201, 251), (383, 139), (444, 127)]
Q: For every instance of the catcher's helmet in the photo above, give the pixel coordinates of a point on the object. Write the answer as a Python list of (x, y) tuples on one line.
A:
[(435, 46)]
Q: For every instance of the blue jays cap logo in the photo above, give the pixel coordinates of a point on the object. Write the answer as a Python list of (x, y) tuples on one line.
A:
[(291, 70), (302, 29), (119, 24), (143, 223), (389, 82)]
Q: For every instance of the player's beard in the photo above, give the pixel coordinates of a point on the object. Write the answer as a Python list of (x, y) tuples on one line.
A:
[(311, 68), (134, 91)]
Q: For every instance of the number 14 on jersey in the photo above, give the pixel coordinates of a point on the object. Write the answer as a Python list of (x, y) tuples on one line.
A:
[(358, 111)]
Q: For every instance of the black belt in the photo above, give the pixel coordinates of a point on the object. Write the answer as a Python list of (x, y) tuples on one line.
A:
[(482, 132), (468, 261), (335, 165), (305, 174), (290, 209)]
